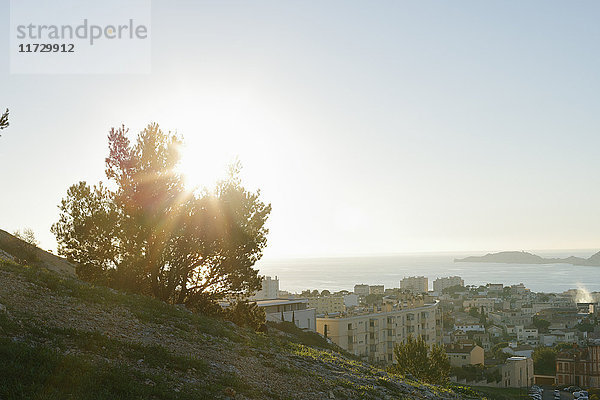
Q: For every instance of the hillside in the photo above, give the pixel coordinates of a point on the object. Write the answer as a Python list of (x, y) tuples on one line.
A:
[(62, 338), (522, 257), (11, 247)]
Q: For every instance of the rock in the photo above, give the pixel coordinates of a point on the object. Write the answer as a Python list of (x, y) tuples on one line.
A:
[(3, 309), (149, 382), (331, 395), (230, 324)]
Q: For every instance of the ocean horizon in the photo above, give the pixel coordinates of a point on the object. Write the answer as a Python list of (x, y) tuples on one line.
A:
[(342, 273)]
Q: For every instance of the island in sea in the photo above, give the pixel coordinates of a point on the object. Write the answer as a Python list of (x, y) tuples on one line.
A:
[(523, 257)]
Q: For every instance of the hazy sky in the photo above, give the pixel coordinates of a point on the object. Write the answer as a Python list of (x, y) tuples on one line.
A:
[(372, 127)]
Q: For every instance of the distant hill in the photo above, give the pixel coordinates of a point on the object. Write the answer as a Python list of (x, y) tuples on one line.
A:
[(523, 257), (14, 249)]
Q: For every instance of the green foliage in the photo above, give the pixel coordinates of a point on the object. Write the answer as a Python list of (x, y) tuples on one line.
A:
[(448, 321), (244, 313), (474, 313), (426, 364), (497, 352), (453, 289), (151, 236), (41, 373), (308, 338), (541, 324), (585, 326), (373, 299), (544, 360), (476, 373)]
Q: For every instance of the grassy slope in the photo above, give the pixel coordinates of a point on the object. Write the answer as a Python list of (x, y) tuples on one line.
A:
[(64, 339)]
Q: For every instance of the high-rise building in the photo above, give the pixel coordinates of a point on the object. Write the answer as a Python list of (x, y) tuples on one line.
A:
[(442, 283), (415, 284), (269, 290)]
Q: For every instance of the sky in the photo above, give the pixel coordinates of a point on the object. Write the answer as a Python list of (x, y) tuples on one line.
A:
[(371, 127)]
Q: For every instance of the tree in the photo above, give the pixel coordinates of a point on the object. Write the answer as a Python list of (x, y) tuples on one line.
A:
[(372, 299), (541, 324), (453, 289), (448, 321), (426, 364), (585, 326), (244, 313), (497, 351), (325, 292), (544, 360), (482, 317), (27, 235), (474, 313), (4, 120), (149, 235)]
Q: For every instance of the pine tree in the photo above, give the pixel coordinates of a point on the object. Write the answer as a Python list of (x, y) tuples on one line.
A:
[(414, 357)]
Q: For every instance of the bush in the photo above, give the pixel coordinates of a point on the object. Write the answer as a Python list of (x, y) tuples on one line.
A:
[(244, 313), (426, 364)]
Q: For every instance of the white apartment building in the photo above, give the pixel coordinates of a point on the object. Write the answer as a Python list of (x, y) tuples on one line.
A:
[(442, 283), (517, 372), (290, 310), (528, 334), (415, 284), (269, 290), (372, 335)]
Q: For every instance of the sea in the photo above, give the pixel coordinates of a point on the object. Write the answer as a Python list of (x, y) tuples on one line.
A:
[(339, 273)]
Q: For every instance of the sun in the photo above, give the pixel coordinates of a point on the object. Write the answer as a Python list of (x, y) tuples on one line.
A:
[(201, 169)]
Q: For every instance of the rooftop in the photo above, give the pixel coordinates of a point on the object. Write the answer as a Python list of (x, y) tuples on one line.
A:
[(516, 358), (279, 302)]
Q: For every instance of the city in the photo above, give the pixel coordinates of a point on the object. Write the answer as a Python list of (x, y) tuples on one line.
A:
[(494, 335)]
